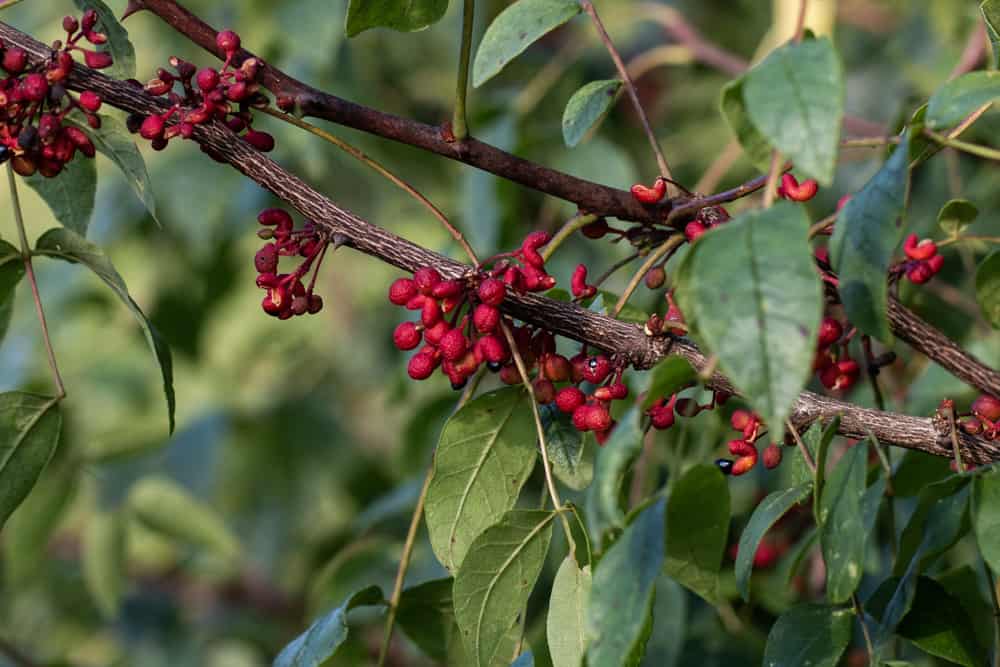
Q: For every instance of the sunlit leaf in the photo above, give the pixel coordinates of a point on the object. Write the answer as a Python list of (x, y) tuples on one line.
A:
[(565, 623), (118, 44), (404, 16), (587, 108), (571, 458), (956, 215), (958, 98), (29, 432)]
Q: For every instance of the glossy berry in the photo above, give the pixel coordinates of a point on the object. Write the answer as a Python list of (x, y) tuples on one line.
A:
[(578, 283), (401, 291), (406, 336), (97, 59), (568, 399), (15, 60), (90, 101), (485, 318), (741, 419), (693, 230), (840, 376), (915, 249), (228, 41), (596, 369), (790, 188), (35, 87), (649, 195), (152, 127), (556, 367), (830, 332), (986, 407), (208, 78), (725, 466), (655, 277), (492, 292)]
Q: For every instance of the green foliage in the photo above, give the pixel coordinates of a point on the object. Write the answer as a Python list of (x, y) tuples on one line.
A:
[(565, 623), (767, 513), (104, 560), (587, 108), (842, 533), (604, 512), (402, 16), (958, 98), (956, 215), (988, 288), (991, 16), (118, 44), (668, 377), (697, 528), (570, 452), (809, 634), (70, 195), (29, 432), (11, 272), (321, 641)]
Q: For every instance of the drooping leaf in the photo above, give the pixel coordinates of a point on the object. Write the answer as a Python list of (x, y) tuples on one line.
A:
[(956, 215), (795, 98), (697, 528), (166, 508), (571, 458), (988, 288), (494, 581), (670, 611), (104, 560), (404, 16), (864, 238), (809, 634), (427, 616), (750, 293), (114, 140), (991, 16), (587, 108), (734, 110), (317, 644), (486, 452), (668, 377), (11, 272), (619, 614), (767, 513), (842, 534), (71, 194), (565, 624), (958, 98), (66, 245), (118, 44), (29, 433), (514, 30), (604, 511)]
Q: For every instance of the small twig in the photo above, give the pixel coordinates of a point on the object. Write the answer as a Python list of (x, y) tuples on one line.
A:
[(800, 22), (614, 267), (576, 222), (806, 456), (961, 239), (459, 122), (821, 226), (972, 149), (693, 206), (668, 246), (860, 613), (949, 413), (661, 161), (773, 174), (30, 272), (668, 54)]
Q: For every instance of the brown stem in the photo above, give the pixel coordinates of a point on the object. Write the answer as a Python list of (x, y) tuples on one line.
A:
[(626, 340)]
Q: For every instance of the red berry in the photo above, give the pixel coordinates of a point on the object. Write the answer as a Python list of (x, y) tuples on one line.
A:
[(693, 230), (97, 59), (453, 345), (401, 290), (596, 369), (596, 229), (840, 376), (556, 367), (208, 78), (430, 314), (598, 419), (90, 101), (830, 332), (655, 277), (315, 304), (510, 375), (406, 336), (485, 318), (647, 195), (262, 141), (448, 289), (772, 456), (152, 127), (494, 349), (578, 283), (492, 292), (421, 365), (35, 87), (228, 41), (15, 60), (568, 399), (529, 249), (790, 188), (425, 279), (662, 415), (915, 249), (986, 407), (581, 418), (740, 419), (545, 391), (434, 334)]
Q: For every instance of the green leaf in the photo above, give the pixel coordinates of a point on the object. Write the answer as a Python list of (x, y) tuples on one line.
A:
[(991, 16), (956, 215), (514, 30), (988, 288), (587, 108), (697, 528), (621, 596), (864, 238), (935, 525), (71, 194), (767, 513), (401, 15), (809, 634), (494, 582), (11, 272), (114, 140), (565, 624), (750, 291), (795, 98), (167, 508), (66, 245), (427, 616), (936, 622), (572, 460), (734, 110), (118, 44), (986, 517), (603, 506), (104, 555), (842, 533), (667, 378), (29, 433), (486, 452), (958, 98), (670, 611), (321, 641)]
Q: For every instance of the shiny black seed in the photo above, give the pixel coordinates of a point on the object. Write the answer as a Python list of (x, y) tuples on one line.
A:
[(725, 465)]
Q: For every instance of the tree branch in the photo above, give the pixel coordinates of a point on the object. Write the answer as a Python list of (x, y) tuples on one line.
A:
[(624, 339)]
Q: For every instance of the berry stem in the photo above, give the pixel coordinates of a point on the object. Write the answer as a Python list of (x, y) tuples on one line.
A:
[(578, 221), (549, 482), (30, 271), (806, 456), (962, 239), (667, 247), (614, 267), (459, 124), (396, 180), (964, 146), (661, 161)]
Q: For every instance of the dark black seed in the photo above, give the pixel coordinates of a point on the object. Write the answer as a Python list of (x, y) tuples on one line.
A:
[(494, 366), (725, 465)]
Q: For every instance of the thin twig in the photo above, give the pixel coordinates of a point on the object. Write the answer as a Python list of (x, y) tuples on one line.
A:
[(773, 174), (806, 456), (972, 149), (800, 21), (614, 267), (30, 272), (654, 258), (860, 613), (578, 221), (459, 122)]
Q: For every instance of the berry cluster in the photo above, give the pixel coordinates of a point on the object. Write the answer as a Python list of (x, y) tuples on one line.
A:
[(286, 293), (34, 102), (745, 449), (923, 259), (206, 94), (837, 370), (984, 419)]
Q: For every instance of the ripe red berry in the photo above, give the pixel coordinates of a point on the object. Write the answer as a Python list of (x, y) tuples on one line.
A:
[(97, 59), (662, 415), (35, 87), (315, 304), (425, 279), (830, 332), (494, 350), (693, 230), (556, 367), (569, 399), (228, 41), (401, 291), (740, 419), (915, 249), (152, 127), (581, 418), (262, 141), (406, 336), (790, 188), (485, 318), (544, 390), (578, 283), (208, 78), (434, 334), (421, 365), (453, 345), (598, 418), (529, 249), (447, 289), (15, 60), (647, 195), (596, 369), (840, 376), (90, 101), (986, 407), (430, 314), (492, 292), (266, 259), (772, 456)]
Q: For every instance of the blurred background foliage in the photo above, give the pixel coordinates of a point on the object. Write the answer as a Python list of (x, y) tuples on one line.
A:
[(304, 439)]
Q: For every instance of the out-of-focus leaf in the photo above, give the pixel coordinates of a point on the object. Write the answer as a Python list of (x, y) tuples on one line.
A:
[(956, 215), (404, 16), (71, 194), (104, 560), (587, 108), (486, 452), (767, 513), (621, 597), (809, 634), (864, 238), (734, 110), (572, 460), (670, 610), (526, 659), (565, 624), (697, 529), (118, 44), (514, 30), (11, 271), (668, 377), (750, 293), (427, 616), (991, 16), (958, 98), (66, 245), (795, 98), (986, 517), (494, 582), (317, 644), (842, 533), (988, 288), (603, 507), (29, 433)]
